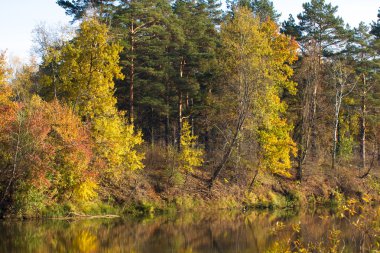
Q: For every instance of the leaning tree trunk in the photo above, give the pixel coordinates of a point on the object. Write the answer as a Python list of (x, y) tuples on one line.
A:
[(243, 112), (229, 150)]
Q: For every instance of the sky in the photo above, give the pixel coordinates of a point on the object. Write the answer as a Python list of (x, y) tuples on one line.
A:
[(352, 11), (18, 18)]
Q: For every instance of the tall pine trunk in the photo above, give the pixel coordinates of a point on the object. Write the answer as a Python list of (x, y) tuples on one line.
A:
[(363, 126), (131, 75), (179, 121), (167, 117), (180, 106), (314, 134)]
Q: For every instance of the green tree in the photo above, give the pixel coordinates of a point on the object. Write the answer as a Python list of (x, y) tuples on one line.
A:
[(48, 44), (319, 23), (290, 27), (375, 30), (322, 35), (194, 58), (361, 55), (148, 30), (78, 8), (263, 9), (343, 82), (375, 26)]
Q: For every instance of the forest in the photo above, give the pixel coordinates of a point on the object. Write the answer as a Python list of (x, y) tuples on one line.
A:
[(147, 106)]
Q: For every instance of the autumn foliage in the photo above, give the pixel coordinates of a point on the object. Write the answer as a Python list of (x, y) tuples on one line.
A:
[(88, 66), (211, 98), (46, 157)]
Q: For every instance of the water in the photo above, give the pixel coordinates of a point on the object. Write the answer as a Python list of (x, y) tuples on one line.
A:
[(188, 232)]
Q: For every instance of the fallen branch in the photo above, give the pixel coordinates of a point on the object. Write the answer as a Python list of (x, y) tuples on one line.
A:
[(77, 216)]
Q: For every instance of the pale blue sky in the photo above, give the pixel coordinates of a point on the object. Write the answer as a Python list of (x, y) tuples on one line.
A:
[(19, 17), (352, 11)]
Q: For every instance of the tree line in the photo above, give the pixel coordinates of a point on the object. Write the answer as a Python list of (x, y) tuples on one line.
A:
[(224, 91)]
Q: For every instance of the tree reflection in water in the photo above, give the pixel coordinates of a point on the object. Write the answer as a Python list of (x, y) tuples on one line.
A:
[(188, 232)]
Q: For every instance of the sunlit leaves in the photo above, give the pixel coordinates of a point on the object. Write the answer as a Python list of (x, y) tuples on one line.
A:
[(51, 154), (190, 156), (256, 60), (88, 66)]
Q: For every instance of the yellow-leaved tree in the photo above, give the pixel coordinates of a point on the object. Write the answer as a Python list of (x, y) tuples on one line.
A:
[(5, 91), (87, 68), (254, 60), (190, 156), (276, 144)]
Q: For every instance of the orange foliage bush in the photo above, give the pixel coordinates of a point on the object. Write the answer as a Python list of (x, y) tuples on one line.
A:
[(45, 146)]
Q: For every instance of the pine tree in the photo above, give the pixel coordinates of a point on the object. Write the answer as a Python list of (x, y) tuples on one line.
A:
[(361, 53), (319, 24), (208, 73), (375, 26), (213, 8), (145, 33), (322, 35), (263, 9), (290, 27), (194, 57), (80, 8), (376, 46)]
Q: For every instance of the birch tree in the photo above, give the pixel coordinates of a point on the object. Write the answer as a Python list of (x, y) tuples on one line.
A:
[(255, 61), (343, 83)]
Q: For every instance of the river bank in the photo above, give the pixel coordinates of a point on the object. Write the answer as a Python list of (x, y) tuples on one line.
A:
[(152, 192)]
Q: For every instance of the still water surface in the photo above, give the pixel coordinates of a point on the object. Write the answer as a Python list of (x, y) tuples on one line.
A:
[(189, 232)]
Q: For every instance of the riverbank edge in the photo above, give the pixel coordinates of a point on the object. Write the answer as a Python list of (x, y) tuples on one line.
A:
[(265, 195)]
